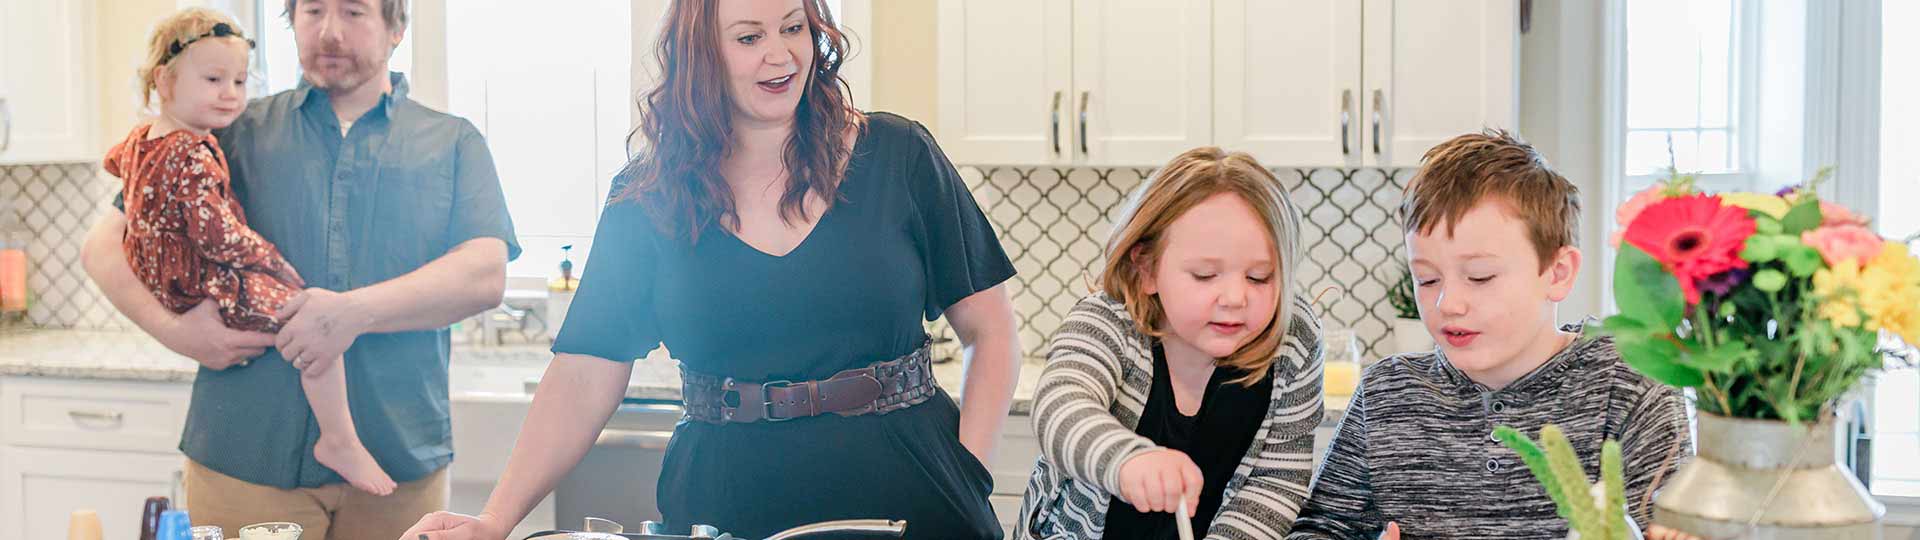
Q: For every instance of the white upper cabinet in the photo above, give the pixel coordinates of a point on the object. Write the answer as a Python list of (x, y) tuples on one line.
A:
[(1142, 80), (1287, 80), (1006, 69), (1435, 70), (1295, 82), (49, 91)]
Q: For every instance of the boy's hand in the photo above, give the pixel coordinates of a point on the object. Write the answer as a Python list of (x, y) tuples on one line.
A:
[(1392, 532), (1155, 481)]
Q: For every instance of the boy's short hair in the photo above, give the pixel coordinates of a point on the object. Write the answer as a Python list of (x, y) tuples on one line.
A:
[(1493, 165)]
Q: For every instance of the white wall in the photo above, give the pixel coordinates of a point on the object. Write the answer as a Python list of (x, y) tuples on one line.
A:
[(1560, 113)]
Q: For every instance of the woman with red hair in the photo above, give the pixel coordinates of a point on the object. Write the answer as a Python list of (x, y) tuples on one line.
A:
[(786, 248)]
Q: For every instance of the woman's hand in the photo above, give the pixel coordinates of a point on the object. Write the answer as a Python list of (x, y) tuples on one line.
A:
[(451, 526), (1155, 481)]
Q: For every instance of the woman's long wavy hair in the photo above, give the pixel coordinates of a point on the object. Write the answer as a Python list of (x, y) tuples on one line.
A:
[(687, 123)]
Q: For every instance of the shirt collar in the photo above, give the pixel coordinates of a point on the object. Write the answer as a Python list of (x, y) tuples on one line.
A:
[(306, 90)]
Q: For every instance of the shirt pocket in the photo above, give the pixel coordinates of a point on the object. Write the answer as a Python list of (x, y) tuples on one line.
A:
[(413, 207)]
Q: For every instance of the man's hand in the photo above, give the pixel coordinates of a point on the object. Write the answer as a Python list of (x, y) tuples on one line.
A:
[(1392, 532), (201, 335), (320, 325)]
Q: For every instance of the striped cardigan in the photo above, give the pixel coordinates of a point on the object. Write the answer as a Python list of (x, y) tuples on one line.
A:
[(1099, 371)]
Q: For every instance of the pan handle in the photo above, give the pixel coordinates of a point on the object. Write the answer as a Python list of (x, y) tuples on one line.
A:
[(840, 529)]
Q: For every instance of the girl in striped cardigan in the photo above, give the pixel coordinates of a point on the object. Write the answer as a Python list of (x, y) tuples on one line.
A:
[(1192, 378)]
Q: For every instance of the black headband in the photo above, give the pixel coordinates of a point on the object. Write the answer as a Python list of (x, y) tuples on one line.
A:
[(219, 30)]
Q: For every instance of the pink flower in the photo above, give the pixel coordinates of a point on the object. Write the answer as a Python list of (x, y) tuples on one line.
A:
[(1631, 209), (1833, 214), (1842, 243)]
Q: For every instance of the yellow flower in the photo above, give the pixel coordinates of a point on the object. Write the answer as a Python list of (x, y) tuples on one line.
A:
[(1838, 288), (1765, 204), (1889, 288)]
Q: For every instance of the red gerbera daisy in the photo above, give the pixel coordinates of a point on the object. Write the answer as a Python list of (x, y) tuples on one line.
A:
[(1693, 236)]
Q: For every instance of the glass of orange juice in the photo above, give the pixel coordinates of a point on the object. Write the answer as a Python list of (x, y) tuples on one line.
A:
[(1342, 371)]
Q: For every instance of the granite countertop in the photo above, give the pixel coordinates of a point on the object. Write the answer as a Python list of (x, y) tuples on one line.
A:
[(77, 354), (133, 356)]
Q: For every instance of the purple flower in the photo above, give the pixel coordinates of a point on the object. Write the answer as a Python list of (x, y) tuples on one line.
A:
[(1722, 283), (1785, 191)]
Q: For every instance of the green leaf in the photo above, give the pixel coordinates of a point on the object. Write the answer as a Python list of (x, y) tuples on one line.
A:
[(1645, 291), (1765, 224), (1722, 359), (1657, 359), (1769, 280), (1803, 261), (1804, 216), (1728, 310), (1625, 327), (1761, 248)]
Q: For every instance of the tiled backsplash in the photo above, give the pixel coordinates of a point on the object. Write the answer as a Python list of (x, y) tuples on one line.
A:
[(58, 203), (1052, 221)]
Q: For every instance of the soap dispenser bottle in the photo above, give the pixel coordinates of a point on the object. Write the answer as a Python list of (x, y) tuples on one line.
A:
[(560, 292)]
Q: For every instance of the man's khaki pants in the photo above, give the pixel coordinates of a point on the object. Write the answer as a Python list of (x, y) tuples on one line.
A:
[(332, 512)]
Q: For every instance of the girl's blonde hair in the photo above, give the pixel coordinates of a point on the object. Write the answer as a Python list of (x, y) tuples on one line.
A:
[(1136, 243), (182, 28)]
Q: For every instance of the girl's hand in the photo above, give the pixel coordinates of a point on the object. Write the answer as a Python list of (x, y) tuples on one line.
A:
[(1155, 481), (1392, 532), (291, 277)]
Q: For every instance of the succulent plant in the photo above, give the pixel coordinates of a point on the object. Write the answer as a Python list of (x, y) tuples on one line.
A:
[(1596, 512)]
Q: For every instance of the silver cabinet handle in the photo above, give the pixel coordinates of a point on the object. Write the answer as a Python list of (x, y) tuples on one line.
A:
[(102, 416), (6, 125), (1379, 101), (627, 438), (1346, 120), (1084, 94), (1056, 123)]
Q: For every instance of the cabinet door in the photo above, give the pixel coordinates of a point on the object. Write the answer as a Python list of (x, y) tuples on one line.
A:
[(1435, 70), (40, 489), (47, 82), (1287, 80), (1005, 75), (1143, 80)]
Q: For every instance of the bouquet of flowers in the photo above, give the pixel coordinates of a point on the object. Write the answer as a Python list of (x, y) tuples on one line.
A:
[(1772, 306)]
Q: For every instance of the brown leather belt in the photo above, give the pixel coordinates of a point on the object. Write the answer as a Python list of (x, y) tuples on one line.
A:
[(877, 389)]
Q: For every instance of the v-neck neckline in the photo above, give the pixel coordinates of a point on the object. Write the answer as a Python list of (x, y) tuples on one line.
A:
[(853, 158), (808, 239)]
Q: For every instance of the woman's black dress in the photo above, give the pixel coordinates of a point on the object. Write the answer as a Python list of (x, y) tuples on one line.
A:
[(905, 241)]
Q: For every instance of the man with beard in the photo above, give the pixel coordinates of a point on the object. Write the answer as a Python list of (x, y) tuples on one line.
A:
[(394, 216)]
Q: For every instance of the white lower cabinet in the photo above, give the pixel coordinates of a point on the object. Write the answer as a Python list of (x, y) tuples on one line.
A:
[(71, 444)]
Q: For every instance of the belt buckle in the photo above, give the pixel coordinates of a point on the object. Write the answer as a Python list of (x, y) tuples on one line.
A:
[(749, 393), (767, 403)]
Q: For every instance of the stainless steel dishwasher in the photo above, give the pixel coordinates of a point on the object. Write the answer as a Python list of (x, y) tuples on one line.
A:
[(616, 480)]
